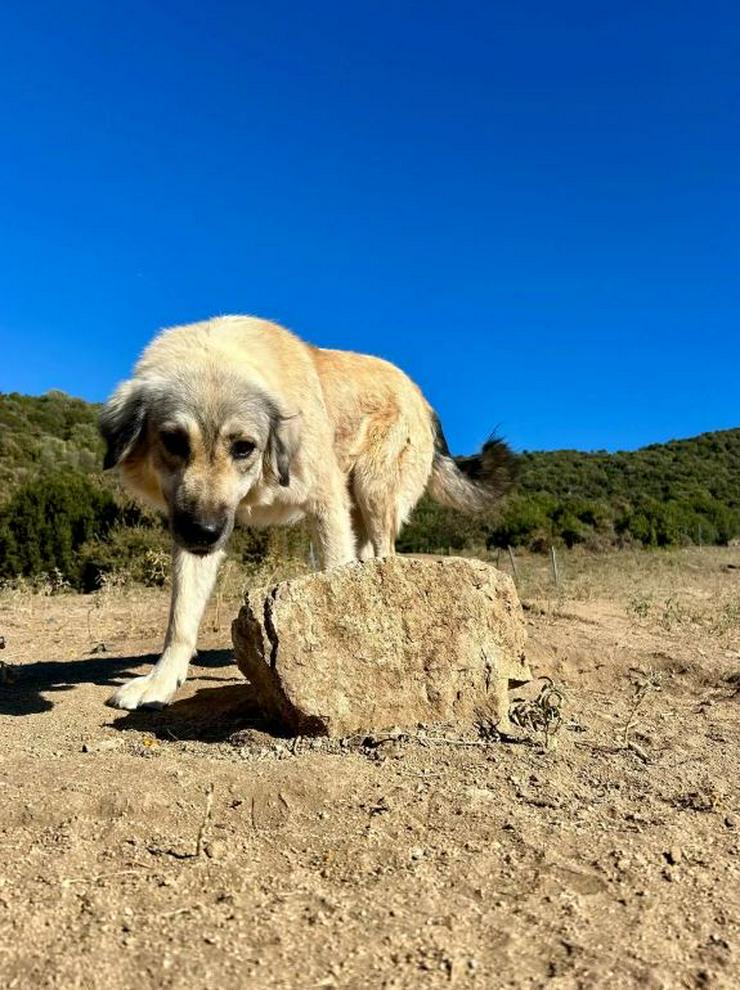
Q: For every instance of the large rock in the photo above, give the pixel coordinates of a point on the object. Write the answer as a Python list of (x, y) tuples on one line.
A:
[(386, 642)]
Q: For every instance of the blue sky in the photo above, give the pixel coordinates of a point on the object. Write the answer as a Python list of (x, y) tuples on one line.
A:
[(533, 208)]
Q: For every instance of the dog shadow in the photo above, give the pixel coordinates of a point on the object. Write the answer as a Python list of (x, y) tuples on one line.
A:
[(24, 687)]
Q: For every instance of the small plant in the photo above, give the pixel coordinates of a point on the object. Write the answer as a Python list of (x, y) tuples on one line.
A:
[(46, 583), (644, 684), (58, 582), (156, 567), (542, 715), (673, 613), (728, 619), (640, 605), (115, 581)]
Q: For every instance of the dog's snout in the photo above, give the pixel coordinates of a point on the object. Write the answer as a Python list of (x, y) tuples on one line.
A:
[(198, 532)]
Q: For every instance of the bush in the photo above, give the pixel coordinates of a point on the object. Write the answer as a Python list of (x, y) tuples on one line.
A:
[(700, 519), (139, 553), (525, 519), (46, 521), (433, 528)]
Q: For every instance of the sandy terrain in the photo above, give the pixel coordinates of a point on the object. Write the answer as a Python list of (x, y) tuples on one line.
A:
[(192, 848)]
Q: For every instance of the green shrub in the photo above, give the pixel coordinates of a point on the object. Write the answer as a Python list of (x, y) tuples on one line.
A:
[(433, 528), (45, 522), (524, 519), (84, 529), (139, 553)]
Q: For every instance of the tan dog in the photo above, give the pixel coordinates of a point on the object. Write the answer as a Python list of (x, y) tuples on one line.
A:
[(237, 420)]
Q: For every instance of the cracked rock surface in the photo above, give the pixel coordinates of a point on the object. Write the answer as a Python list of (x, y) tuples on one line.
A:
[(387, 642)]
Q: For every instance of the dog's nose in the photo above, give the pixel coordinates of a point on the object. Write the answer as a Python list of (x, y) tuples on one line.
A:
[(197, 532)]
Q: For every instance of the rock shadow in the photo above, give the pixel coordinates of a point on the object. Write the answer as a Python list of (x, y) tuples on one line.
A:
[(212, 714)]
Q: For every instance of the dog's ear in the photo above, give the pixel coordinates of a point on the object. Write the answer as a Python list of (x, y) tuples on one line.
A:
[(122, 422), (282, 445)]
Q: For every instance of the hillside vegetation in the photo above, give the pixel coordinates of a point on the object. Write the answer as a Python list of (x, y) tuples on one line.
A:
[(685, 491), (60, 516), (46, 432)]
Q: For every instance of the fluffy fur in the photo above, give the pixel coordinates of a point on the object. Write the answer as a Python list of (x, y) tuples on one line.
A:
[(237, 420)]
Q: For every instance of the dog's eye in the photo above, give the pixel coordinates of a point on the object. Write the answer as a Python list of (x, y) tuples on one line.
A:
[(175, 443), (241, 449)]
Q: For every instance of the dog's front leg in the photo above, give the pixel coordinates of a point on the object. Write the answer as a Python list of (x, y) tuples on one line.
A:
[(193, 578), (332, 525)]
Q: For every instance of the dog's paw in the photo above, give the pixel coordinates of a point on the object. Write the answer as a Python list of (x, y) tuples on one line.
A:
[(149, 691)]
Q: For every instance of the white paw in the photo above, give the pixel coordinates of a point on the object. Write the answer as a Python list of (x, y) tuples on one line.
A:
[(151, 691)]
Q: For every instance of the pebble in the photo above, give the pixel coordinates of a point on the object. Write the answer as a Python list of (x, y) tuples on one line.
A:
[(674, 855), (101, 746), (731, 821), (215, 849), (416, 852), (391, 750)]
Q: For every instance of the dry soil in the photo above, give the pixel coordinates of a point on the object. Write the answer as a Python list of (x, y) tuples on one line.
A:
[(196, 848)]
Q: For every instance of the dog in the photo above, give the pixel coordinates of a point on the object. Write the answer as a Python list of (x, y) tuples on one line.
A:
[(237, 420)]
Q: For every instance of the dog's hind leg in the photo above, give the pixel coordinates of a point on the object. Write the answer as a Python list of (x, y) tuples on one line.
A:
[(380, 526), (193, 578), (388, 481), (375, 500), (363, 545)]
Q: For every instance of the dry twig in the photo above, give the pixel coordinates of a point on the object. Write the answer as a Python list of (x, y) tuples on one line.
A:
[(642, 688), (543, 714), (206, 819)]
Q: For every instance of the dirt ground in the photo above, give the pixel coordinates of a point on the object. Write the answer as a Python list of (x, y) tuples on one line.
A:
[(193, 848)]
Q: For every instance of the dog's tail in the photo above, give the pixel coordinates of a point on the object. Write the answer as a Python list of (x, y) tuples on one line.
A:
[(471, 484)]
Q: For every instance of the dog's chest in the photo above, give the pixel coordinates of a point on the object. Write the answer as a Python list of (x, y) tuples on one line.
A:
[(273, 513)]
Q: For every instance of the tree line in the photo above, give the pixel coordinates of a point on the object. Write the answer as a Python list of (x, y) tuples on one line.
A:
[(60, 516)]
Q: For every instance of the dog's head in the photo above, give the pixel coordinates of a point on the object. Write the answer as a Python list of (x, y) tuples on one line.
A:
[(196, 444)]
